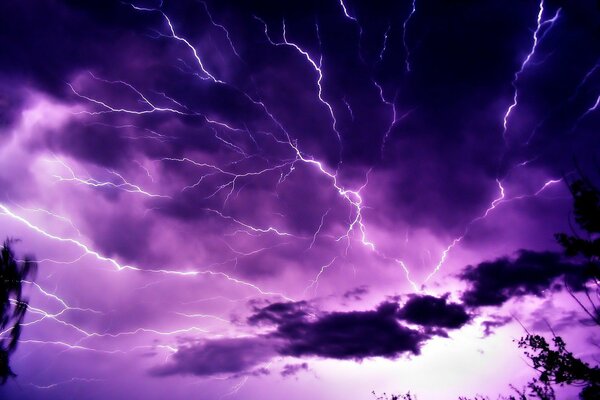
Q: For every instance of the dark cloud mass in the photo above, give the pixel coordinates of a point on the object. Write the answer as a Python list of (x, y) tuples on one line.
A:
[(220, 356), (479, 62), (298, 333), (433, 312), (351, 335), (300, 330), (492, 283), (340, 335)]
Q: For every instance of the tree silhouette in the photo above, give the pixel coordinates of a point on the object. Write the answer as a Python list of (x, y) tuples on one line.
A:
[(586, 243), (384, 396), (12, 304), (558, 366)]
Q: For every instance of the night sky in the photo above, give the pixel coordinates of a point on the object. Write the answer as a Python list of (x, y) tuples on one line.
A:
[(293, 199)]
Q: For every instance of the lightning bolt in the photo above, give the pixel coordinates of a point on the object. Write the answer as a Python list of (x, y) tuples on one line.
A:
[(175, 36), (346, 13), (119, 267), (317, 67), (587, 112), (384, 45), (318, 229), (72, 380), (62, 218), (501, 199), (571, 98), (405, 34), (122, 185), (540, 24), (223, 28), (315, 282)]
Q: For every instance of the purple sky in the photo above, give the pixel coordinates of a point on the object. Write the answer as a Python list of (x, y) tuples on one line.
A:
[(303, 199)]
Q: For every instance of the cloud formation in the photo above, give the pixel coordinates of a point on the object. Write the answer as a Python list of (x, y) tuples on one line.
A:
[(218, 356), (351, 335), (280, 313), (432, 311), (492, 283), (293, 369)]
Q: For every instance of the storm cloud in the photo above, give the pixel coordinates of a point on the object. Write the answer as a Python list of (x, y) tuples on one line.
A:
[(433, 312), (492, 283), (215, 357), (171, 162)]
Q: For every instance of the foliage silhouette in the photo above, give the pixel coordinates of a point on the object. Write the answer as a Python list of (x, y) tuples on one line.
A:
[(559, 366), (13, 305), (384, 396), (586, 244)]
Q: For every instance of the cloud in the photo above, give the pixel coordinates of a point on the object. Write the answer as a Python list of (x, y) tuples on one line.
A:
[(420, 196), (494, 322), (219, 356), (492, 283), (359, 334), (293, 369), (11, 103), (339, 335), (432, 311), (356, 293), (279, 313), (351, 335), (298, 333), (300, 330)]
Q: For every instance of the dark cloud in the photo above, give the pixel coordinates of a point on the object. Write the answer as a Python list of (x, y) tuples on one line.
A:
[(262, 371), (495, 322), (300, 330), (280, 313), (359, 334), (97, 144), (219, 356), (293, 369), (357, 293), (479, 61), (11, 103), (351, 335), (491, 283), (340, 335), (432, 311)]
